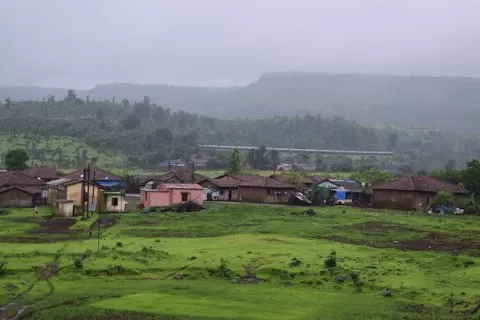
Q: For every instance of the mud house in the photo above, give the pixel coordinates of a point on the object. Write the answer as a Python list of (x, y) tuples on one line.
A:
[(18, 189), (249, 188), (412, 193), (165, 194)]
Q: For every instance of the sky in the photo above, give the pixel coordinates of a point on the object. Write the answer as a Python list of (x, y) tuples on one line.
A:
[(81, 43)]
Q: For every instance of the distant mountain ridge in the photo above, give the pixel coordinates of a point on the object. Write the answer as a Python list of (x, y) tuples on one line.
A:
[(449, 103)]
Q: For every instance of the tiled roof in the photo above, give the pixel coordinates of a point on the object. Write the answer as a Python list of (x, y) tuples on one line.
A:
[(170, 177), (420, 183), (17, 178), (43, 172), (100, 174)]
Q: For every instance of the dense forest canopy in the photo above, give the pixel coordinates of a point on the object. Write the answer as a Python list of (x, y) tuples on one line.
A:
[(450, 103), (141, 134)]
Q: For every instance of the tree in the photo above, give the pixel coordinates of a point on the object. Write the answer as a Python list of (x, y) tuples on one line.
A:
[(235, 162), (16, 160), (471, 177), (443, 198), (131, 122), (274, 157), (392, 140), (71, 95), (451, 164)]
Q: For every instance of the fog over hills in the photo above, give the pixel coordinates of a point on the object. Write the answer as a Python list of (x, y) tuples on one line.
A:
[(411, 101)]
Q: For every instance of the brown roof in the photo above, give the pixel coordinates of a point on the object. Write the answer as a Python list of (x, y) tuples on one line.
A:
[(29, 190), (18, 178), (172, 177), (237, 180), (100, 174), (420, 183), (43, 172)]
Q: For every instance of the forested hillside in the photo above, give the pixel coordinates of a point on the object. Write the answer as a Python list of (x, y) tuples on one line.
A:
[(447, 103), (71, 131)]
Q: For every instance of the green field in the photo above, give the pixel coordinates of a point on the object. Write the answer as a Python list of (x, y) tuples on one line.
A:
[(241, 262)]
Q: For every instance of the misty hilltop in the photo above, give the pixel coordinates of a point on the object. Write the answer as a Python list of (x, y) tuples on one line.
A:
[(411, 101)]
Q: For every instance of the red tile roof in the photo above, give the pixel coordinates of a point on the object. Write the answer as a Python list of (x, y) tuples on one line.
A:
[(18, 178), (420, 183)]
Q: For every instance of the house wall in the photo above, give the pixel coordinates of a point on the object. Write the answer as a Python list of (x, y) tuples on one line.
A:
[(266, 195), (193, 195), (64, 209), (393, 199), (120, 207), (223, 194), (15, 198), (158, 198), (74, 192)]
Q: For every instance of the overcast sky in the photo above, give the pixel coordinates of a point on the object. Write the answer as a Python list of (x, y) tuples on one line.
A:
[(80, 43)]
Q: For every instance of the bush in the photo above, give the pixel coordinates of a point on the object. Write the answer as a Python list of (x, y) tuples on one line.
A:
[(331, 261), (119, 244), (78, 263)]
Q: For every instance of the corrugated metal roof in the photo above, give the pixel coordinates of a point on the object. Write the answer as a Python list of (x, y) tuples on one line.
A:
[(58, 182)]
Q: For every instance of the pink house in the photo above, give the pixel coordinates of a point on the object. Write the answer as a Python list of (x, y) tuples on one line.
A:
[(169, 193)]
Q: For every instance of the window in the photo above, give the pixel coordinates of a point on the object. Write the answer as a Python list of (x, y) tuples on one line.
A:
[(184, 196), (114, 202)]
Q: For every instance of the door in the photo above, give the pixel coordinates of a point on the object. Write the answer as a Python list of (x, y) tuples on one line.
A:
[(229, 194)]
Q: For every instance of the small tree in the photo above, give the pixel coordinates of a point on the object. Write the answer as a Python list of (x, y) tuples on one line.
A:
[(443, 198), (234, 162), (16, 160)]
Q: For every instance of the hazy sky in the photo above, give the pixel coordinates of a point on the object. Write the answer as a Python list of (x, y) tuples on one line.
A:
[(79, 43)]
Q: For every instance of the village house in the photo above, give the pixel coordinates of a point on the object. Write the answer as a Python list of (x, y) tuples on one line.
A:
[(412, 193), (103, 178), (18, 189), (249, 188), (67, 198), (166, 194), (343, 191)]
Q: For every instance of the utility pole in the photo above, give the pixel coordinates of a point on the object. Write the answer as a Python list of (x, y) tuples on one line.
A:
[(82, 196)]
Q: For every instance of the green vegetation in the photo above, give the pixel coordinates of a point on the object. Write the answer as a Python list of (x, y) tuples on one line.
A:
[(141, 134), (242, 262), (16, 159)]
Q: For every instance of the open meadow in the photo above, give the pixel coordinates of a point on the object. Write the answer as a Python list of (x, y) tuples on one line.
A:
[(238, 261)]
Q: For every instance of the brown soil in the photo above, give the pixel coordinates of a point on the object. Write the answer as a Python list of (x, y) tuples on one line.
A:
[(432, 241), (379, 227), (56, 225)]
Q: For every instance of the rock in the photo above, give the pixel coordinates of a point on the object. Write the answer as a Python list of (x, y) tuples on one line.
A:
[(340, 279), (387, 293)]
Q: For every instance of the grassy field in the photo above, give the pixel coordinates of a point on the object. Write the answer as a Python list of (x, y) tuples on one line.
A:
[(241, 262)]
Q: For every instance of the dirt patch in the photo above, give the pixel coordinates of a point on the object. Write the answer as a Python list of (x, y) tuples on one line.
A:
[(378, 228), (55, 225), (432, 241)]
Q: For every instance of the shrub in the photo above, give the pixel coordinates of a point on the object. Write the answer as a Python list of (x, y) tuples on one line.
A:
[(331, 261), (78, 263), (119, 244)]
